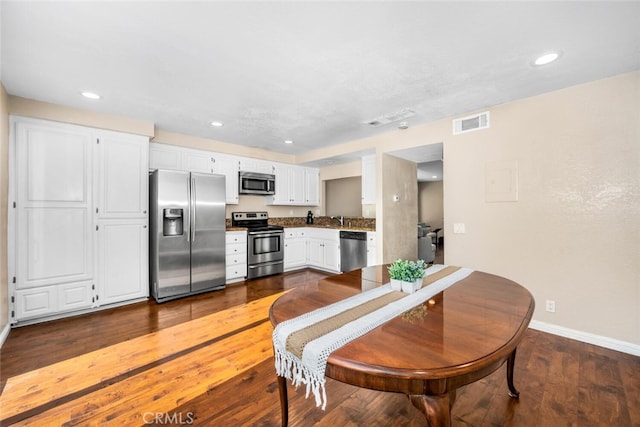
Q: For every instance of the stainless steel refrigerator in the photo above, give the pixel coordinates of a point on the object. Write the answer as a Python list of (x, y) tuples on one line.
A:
[(187, 233)]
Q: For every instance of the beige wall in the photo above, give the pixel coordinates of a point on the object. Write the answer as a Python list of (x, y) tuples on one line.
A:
[(573, 236), (343, 196), (430, 203), (4, 185), (399, 218)]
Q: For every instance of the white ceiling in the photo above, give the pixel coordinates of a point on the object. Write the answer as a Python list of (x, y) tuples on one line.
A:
[(312, 72)]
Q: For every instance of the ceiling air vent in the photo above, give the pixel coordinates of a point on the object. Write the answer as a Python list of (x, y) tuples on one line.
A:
[(471, 123), (390, 118)]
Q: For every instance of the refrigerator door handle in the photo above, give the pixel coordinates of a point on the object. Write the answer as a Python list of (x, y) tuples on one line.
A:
[(193, 209), (189, 210)]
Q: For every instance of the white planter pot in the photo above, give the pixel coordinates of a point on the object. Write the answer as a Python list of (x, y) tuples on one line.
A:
[(411, 287), (406, 287), (396, 284)]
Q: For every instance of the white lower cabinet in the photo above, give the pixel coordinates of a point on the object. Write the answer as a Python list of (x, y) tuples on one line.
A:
[(295, 248), (236, 256), (51, 300), (323, 249), (123, 261)]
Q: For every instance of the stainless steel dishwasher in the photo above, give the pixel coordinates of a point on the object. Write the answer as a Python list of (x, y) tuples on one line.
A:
[(353, 250)]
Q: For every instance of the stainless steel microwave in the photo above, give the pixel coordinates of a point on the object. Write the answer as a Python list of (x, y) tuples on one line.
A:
[(256, 183)]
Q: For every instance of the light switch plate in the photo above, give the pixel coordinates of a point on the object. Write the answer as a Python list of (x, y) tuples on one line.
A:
[(459, 228)]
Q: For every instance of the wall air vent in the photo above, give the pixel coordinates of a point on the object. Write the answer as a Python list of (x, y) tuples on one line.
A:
[(390, 118), (471, 123)]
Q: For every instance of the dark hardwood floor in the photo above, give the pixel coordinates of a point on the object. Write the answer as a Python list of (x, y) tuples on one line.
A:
[(207, 360)]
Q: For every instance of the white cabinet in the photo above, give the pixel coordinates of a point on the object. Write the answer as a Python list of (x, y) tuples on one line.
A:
[(123, 261), (195, 161), (229, 167), (122, 180), (324, 249), (65, 180), (122, 205), (312, 187), (295, 248), (257, 166), (371, 248), (164, 157), (173, 157), (52, 300), (236, 255), (295, 185), (369, 180)]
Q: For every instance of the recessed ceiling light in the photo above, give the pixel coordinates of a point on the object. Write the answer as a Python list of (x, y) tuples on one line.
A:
[(288, 141), (434, 176), (547, 58), (91, 95), (216, 124)]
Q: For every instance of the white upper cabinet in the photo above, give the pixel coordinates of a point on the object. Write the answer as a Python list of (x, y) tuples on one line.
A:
[(295, 185), (164, 157), (256, 165), (123, 164), (312, 187), (229, 167), (173, 157), (369, 180), (197, 162)]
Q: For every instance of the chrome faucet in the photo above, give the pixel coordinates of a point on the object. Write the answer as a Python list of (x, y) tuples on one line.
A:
[(339, 218)]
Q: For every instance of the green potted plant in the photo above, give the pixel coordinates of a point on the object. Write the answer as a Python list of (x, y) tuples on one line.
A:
[(407, 275)]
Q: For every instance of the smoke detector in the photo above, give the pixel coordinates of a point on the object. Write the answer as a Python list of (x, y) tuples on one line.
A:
[(390, 118)]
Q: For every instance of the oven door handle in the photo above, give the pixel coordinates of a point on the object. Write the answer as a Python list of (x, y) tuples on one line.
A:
[(263, 234)]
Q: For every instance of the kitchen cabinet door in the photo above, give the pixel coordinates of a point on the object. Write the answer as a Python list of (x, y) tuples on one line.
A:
[(297, 185), (295, 253), (123, 175), (51, 300), (315, 254), (123, 261), (324, 254), (312, 187), (162, 156), (369, 180), (194, 161), (256, 165), (229, 167)]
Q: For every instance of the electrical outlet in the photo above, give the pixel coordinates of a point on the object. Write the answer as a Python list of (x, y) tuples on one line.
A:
[(550, 306)]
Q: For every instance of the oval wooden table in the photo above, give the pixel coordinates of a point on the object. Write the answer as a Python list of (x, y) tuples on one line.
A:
[(457, 337)]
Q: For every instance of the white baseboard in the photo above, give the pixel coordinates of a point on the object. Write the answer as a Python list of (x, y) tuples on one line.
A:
[(4, 334), (610, 343)]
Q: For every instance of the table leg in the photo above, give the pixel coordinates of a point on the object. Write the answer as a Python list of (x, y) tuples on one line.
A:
[(284, 400), (436, 409), (513, 392)]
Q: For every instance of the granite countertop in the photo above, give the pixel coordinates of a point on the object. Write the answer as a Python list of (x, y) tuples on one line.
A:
[(331, 226)]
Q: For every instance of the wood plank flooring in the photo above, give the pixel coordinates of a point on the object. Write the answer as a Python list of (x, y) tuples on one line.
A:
[(207, 361)]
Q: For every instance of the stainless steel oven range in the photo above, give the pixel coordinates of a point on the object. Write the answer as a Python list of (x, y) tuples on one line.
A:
[(265, 243)]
